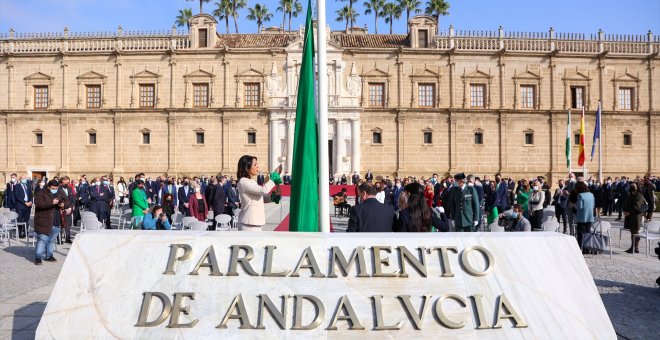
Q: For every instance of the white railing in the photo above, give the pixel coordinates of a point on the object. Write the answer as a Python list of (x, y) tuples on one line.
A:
[(93, 41), (547, 42)]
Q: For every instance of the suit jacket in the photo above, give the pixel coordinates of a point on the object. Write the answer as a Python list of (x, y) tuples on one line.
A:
[(149, 186), (208, 193), (70, 201), (183, 198), (355, 179), (369, 177), (101, 196), (501, 194), (169, 189), (464, 206), (9, 201), (286, 179), (44, 210), (232, 197), (371, 216), (253, 196), (219, 200), (20, 191)]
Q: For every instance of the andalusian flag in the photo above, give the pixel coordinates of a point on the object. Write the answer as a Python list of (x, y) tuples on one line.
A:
[(304, 211), (581, 156), (568, 141)]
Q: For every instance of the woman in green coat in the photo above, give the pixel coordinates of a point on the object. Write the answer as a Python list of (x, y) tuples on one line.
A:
[(140, 204), (523, 197)]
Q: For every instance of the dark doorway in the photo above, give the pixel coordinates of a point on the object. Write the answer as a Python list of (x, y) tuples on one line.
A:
[(38, 175), (330, 163)]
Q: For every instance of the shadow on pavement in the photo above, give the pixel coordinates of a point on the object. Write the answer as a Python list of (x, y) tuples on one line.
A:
[(26, 320), (27, 252)]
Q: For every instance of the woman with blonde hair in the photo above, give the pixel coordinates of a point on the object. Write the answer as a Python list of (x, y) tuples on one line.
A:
[(197, 206)]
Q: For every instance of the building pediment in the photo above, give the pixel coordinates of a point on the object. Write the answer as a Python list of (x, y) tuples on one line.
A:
[(146, 74), (38, 77), (91, 75), (199, 73), (527, 75), (477, 74), (251, 72), (376, 72), (426, 72), (626, 77), (577, 76)]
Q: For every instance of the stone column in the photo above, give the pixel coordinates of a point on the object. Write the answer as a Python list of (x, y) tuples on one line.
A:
[(171, 147), (64, 143), (274, 144), (10, 66), (290, 132), (117, 83), (340, 144), (172, 64), (453, 152), (355, 145), (117, 150), (63, 65)]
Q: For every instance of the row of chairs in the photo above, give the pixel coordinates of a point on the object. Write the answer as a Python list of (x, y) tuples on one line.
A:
[(180, 222)]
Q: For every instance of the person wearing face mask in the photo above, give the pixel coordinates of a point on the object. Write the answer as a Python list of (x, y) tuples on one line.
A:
[(8, 201), (185, 191), (48, 220), (197, 205), (599, 199), (140, 205), (396, 193), (608, 197), (522, 198), (67, 210), (232, 197), (536, 200), (102, 196), (520, 223), (560, 201), (464, 205), (168, 206), (23, 199), (169, 188), (501, 193)]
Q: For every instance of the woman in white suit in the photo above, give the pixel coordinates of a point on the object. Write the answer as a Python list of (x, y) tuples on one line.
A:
[(253, 196)]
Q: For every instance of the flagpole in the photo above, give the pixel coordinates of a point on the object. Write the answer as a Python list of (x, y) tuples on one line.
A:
[(600, 144), (324, 167), (583, 127)]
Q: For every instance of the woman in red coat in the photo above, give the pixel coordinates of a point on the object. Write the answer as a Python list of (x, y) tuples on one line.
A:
[(197, 206), (428, 194)]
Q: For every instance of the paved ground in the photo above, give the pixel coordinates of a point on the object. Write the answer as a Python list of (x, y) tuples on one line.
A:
[(626, 283)]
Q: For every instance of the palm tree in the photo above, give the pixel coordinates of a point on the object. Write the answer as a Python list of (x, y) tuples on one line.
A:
[(223, 12), (259, 13), (410, 5), (200, 4), (375, 7), (235, 6), (391, 11), (290, 8), (350, 6), (184, 18), (284, 8), (296, 9), (436, 8), (348, 14)]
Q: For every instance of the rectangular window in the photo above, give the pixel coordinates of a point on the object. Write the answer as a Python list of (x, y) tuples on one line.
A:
[(146, 138), (39, 138), (203, 37), (423, 38), (252, 138), (529, 138), (426, 94), (252, 94), (477, 93), (577, 97), (41, 97), (376, 94), (527, 96), (627, 139), (199, 137), (625, 98), (577, 139), (377, 137), (92, 138), (201, 95), (478, 138), (147, 95), (428, 137), (93, 96)]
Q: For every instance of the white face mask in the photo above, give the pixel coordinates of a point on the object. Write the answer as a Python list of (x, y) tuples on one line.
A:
[(470, 184), (536, 188)]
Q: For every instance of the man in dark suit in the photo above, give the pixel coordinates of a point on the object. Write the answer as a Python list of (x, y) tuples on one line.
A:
[(232, 197), (149, 186), (370, 215), (102, 196), (369, 176), (501, 194), (68, 209), (9, 193), (23, 201), (184, 195), (169, 188), (286, 178), (219, 199), (355, 179)]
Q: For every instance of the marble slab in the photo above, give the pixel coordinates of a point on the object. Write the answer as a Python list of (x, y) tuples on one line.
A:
[(434, 285)]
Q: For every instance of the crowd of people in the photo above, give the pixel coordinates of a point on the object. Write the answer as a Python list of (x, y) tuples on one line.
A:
[(464, 203)]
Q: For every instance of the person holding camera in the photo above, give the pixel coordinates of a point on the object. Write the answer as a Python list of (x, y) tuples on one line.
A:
[(48, 220), (156, 220)]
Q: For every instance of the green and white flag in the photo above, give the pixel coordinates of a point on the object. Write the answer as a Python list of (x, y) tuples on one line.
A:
[(304, 211)]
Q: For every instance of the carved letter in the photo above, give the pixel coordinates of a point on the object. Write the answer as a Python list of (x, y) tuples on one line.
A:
[(174, 248), (471, 270), (212, 263), (406, 256), (482, 323), (416, 318), (513, 315), (349, 315), (379, 324), (244, 261), (242, 314), (444, 259), (319, 312), (444, 320), (146, 306), (177, 309), (268, 264), (345, 266), (308, 257), (266, 304), (378, 261)]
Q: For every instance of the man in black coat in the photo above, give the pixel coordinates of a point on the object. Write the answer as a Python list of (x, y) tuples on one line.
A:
[(369, 176), (219, 199), (184, 195), (23, 201), (102, 196), (370, 215), (355, 179)]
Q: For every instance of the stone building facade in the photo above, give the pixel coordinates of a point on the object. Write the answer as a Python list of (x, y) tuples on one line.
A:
[(193, 103)]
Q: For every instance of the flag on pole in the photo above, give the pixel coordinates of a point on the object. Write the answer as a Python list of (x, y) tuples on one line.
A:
[(568, 141), (581, 155), (304, 209), (596, 132)]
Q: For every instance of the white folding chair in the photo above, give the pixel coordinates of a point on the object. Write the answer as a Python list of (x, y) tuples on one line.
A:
[(8, 226), (209, 216), (550, 226), (187, 221), (549, 214), (651, 232), (198, 225), (93, 225), (223, 222), (177, 221), (602, 228), (86, 221), (4, 231), (494, 227), (31, 233), (2, 210)]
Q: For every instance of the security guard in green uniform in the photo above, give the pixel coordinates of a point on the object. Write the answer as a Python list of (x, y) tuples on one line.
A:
[(464, 205)]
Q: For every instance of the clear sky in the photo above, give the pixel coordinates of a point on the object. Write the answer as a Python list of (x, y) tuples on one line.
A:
[(581, 16)]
